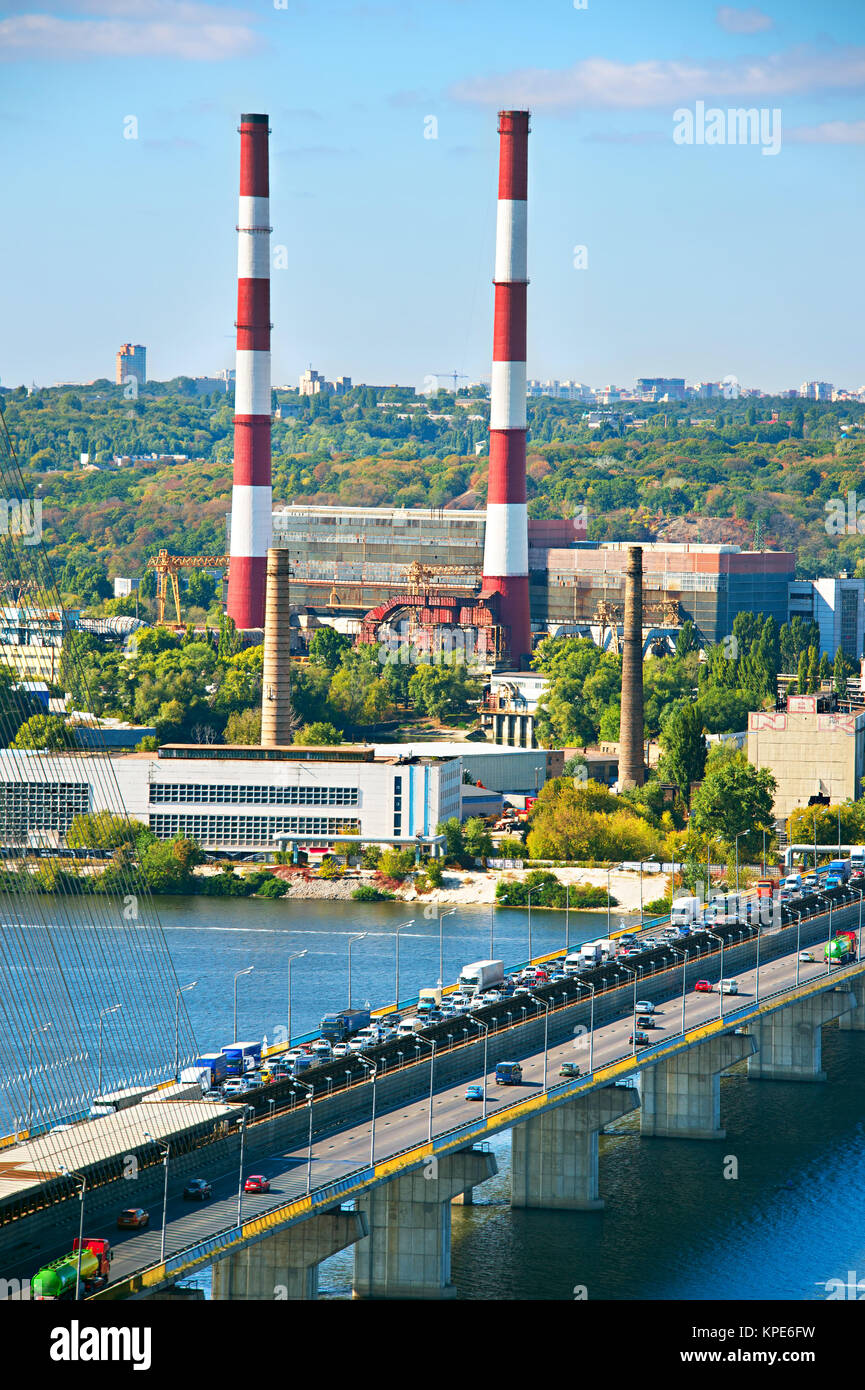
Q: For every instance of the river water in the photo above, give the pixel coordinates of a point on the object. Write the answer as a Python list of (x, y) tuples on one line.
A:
[(677, 1225)]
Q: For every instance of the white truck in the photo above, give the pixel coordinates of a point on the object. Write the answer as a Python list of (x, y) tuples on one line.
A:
[(590, 954), (685, 911), (857, 856), (608, 948), (481, 975), (573, 963)]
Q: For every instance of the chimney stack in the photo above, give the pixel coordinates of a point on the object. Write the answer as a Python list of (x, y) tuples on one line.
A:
[(631, 765), (251, 498), (506, 542), (277, 719)]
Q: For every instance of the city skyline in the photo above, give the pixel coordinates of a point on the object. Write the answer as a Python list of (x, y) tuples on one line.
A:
[(383, 186)]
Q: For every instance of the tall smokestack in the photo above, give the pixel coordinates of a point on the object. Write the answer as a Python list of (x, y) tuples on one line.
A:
[(506, 542), (251, 494), (277, 721), (631, 767)]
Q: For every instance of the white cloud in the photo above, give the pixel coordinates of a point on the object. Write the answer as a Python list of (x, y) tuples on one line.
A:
[(129, 29), (829, 133), (750, 21), (599, 83)]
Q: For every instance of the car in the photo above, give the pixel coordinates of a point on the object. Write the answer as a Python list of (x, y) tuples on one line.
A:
[(494, 996), (541, 977), (340, 1049), (639, 1039), (295, 1052), (646, 1021), (522, 989), (479, 1002), (358, 1045), (729, 986), (198, 1190), (474, 1093), (256, 1183), (323, 1051), (558, 975), (857, 875), (235, 1087), (650, 943), (807, 956), (644, 1006), (702, 987), (132, 1219), (569, 1069)]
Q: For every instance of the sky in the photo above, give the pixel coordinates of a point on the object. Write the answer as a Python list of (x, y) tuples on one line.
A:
[(701, 259)]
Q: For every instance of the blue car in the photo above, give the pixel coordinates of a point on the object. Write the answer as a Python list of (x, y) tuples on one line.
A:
[(474, 1092)]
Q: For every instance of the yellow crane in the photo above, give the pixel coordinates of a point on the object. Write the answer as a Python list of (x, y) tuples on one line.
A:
[(167, 569)]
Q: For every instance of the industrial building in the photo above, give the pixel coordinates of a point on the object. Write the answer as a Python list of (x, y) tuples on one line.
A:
[(236, 800), (31, 640), (812, 748), (509, 710), (838, 608)]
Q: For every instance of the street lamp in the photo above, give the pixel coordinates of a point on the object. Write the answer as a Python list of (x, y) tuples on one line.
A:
[(530, 891), (177, 994), (634, 1025), (715, 937), (567, 918), (43, 1029), (479, 1024), (311, 1093), (246, 1110), (545, 1005), (401, 926), (590, 986), (165, 1149), (70, 1173), (681, 951), (248, 971), (859, 937), (296, 956), (102, 1014), (431, 1043), (373, 1069), (358, 936), (737, 839), (442, 916), (609, 871), (799, 938)]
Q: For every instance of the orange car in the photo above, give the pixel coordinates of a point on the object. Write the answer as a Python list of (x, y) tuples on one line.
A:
[(132, 1219)]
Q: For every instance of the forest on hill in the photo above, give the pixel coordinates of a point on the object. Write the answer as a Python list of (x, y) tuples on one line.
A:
[(770, 472)]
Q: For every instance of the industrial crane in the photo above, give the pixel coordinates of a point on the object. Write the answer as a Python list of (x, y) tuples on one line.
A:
[(457, 376), (167, 568)]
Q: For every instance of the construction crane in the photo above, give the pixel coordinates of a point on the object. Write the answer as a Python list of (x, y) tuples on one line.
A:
[(420, 577), (457, 376), (167, 568)]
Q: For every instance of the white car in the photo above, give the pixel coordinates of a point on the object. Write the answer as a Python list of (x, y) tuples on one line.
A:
[(357, 1045), (493, 996), (644, 1006), (341, 1049), (322, 1051)]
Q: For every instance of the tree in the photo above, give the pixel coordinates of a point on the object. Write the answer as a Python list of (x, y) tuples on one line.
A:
[(244, 726), (318, 732), (686, 641), (813, 670), (802, 674), (477, 839), (685, 746), (723, 711), (839, 673), (101, 830), (44, 731), (734, 797), (825, 670), (442, 690), (328, 647)]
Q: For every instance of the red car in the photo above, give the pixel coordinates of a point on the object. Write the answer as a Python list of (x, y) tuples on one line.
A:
[(702, 987), (256, 1183), (132, 1219)]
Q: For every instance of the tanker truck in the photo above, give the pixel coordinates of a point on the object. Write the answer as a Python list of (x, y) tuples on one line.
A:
[(58, 1279)]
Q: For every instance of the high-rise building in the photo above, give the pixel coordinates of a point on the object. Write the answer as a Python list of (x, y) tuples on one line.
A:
[(816, 390), (655, 388), (130, 361)]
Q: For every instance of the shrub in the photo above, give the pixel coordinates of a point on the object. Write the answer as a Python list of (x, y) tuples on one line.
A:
[(274, 888), (368, 893), (657, 907)]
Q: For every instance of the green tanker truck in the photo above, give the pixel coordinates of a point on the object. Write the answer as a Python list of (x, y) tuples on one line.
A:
[(58, 1279)]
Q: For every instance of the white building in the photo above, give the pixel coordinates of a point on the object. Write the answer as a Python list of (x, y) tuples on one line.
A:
[(816, 390), (838, 607), (235, 799)]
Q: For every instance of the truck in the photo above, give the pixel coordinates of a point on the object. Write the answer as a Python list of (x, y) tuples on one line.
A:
[(857, 857), (344, 1024), (428, 999), (481, 975), (409, 1026), (573, 963), (684, 911), (241, 1057), (841, 948), (793, 882), (58, 1279), (210, 1067), (608, 948), (508, 1074), (590, 954), (839, 868)]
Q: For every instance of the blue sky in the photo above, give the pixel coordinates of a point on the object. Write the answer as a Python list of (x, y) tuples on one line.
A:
[(703, 260)]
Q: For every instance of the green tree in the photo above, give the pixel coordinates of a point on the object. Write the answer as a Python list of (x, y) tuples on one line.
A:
[(476, 838), (328, 647), (734, 797), (686, 640), (802, 674), (318, 732), (101, 830), (244, 726), (839, 673), (813, 670), (45, 731), (824, 670), (685, 748)]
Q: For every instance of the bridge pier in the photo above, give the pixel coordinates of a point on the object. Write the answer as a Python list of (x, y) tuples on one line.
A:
[(854, 1021), (790, 1040), (285, 1265), (407, 1253), (681, 1095), (554, 1160)]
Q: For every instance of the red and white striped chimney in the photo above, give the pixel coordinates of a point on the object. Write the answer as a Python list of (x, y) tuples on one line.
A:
[(506, 541), (251, 496)]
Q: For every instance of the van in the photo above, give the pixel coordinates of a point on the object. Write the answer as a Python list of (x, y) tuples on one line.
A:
[(729, 987), (793, 882), (508, 1074), (409, 1027)]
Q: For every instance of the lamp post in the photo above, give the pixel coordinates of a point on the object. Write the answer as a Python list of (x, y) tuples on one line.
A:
[(296, 956), (44, 1029), (681, 951), (165, 1149), (737, 839), (431, 1043), (396, 987), (478, 1024), (177, 994), (567, 918), (246, 1110), (442, 916), (590, 986), (70, 1173), (634, 1024), (248, 971), (102, 1014), (352, 941), (545, 1005), (859, 936), (368, 1062), (530, 891), (311, 1094), (716, 937), (609, 871), (799, 938)]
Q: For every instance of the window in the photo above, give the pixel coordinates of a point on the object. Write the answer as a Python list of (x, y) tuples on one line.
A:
[(247, 830), (41, 805), (193, 793)]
